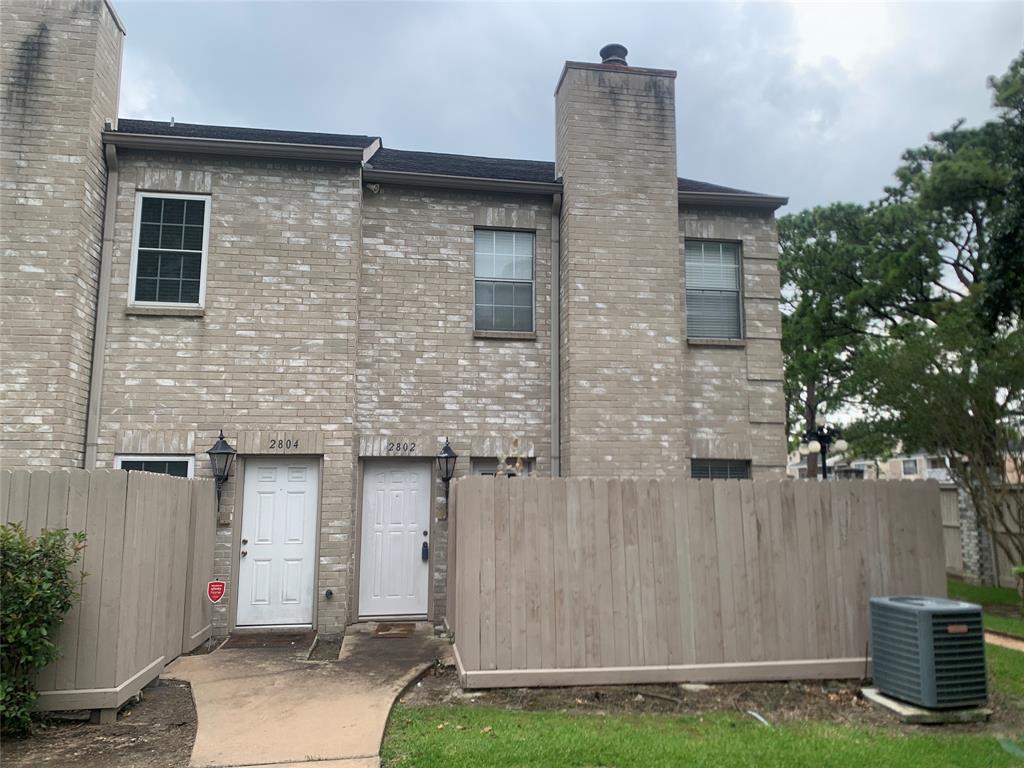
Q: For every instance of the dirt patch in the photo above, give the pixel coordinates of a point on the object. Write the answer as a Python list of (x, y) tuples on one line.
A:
[(155, 733), (822, 701), (326, 648), (291, 641), (207, 646)]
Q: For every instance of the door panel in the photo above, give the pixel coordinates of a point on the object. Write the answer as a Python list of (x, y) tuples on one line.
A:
[(393, 577), (279, 516)]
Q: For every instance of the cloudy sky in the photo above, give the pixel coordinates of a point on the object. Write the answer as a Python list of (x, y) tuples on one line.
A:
[(814, 101)]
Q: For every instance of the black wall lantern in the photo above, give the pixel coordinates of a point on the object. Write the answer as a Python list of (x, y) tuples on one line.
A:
[(446, 465), (222, 456)]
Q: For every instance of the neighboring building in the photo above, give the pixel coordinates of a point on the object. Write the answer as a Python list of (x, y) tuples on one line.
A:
[(839, 467), (340, 308), (917, 466)]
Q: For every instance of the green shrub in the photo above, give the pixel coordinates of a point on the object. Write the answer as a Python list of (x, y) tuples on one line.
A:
[(37, 588)]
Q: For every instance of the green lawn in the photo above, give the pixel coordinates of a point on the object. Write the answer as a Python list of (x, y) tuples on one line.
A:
[(479, 737), (973, 593), (988, 597), (1005, 670), (1004, 624)]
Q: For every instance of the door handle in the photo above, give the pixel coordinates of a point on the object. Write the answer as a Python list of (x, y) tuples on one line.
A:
[(425, 552)]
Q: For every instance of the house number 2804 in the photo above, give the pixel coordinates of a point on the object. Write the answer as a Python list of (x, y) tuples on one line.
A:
[(284, 444)]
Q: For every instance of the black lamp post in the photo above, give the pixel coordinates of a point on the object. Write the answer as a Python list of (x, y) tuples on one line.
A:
[(221, 456), (818, 440), (446, 466)]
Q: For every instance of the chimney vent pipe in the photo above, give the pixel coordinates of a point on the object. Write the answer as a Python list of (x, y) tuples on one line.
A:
[(614, 53)]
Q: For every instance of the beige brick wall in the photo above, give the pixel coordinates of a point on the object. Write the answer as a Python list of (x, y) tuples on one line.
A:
[(421, 370), (304, 329), (276, 347), (346, 316), (620, 271), (734, 407), (60, 65)]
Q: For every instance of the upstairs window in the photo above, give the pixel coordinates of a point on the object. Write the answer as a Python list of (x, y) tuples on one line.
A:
[(714, 304), (177, 466), (169, 259), (720, 469), (504, 281), (909, 467)]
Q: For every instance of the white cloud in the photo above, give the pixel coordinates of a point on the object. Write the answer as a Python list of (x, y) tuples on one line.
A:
[(149, 90), (813, 101)]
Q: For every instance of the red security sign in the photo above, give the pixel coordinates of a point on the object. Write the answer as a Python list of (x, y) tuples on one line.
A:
[(215, 591)]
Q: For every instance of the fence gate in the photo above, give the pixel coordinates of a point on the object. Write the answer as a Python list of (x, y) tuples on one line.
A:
[(148, 556)]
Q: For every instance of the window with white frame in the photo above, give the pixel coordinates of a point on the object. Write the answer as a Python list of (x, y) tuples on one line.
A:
[(909, 467), (169, 256), (504, 281), (714, 301), (178, 466)]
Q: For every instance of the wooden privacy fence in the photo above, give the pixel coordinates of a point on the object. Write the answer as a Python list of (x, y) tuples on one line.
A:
[(599, 581), (950, 505), (148, 556)]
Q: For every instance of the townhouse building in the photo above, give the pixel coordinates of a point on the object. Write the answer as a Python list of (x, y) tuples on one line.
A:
[(341, 309)]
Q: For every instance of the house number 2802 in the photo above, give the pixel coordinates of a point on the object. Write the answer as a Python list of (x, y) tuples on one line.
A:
[(402, 447), (284, 444)]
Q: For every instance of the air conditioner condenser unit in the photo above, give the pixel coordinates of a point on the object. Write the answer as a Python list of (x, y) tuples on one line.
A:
[(929, 651)]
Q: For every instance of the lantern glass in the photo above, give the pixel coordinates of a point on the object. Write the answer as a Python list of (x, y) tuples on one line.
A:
[(819, 420), (814, 446), (841, 445), (221, 457), (446, 462)]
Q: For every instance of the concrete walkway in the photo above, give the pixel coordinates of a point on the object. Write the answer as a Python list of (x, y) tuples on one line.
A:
[(271, 707), (1004, 641)]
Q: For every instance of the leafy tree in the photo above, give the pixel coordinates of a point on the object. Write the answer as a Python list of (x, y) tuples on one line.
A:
[(911, 314), (943, 369), (822, 250), (1005, 291)]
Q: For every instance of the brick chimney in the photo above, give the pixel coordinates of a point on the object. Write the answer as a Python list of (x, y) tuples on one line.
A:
[(61, 64), (621, 270)]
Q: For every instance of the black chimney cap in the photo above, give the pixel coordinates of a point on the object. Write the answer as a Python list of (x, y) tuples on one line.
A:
[(614, 53)]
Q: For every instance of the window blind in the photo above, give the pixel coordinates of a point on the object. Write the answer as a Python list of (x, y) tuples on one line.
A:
[(713, 296)]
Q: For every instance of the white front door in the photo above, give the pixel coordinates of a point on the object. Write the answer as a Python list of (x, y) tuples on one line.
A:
[(276, 557), (393, 574)]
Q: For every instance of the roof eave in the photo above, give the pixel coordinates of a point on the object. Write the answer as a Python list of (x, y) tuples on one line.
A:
[(732, 200), (268, 149), (461, 182)]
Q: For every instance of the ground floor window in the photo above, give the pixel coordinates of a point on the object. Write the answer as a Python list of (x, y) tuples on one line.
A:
[(178, 466), (490, 466), (720, 469)]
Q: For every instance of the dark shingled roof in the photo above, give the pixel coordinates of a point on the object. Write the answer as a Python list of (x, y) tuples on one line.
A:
[(193, 131), (402, 160), (462, 165), (498, 168), (689, 185)]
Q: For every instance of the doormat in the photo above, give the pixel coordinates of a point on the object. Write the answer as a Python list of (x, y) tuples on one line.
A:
[(299, 640), (404, 629)]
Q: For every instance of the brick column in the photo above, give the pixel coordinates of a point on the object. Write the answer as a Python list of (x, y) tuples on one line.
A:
[(620, 271)]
